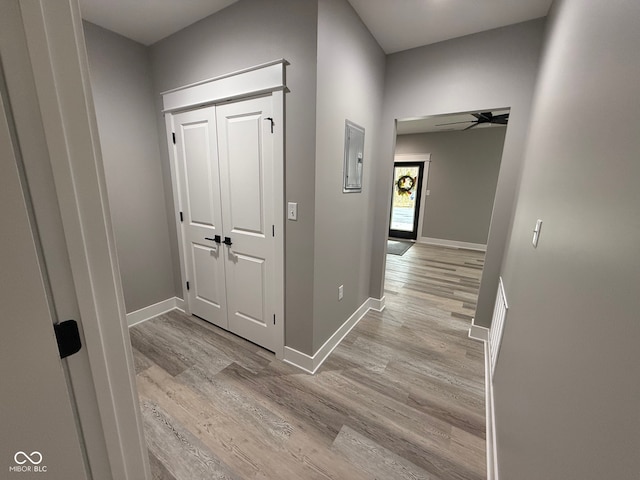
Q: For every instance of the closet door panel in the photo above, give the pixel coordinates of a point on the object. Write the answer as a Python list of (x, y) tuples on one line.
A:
[(245, 147)]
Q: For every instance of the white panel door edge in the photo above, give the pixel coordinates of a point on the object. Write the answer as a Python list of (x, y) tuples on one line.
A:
[(245, 146), (199, 186), (38, 428)]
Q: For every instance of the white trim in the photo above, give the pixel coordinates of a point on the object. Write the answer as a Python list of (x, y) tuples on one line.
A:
[(265, 78), (497, 324), (453, 243), (476, 332), (492, 447), (412, 157), (180, 305), (177, 205), (377, 304), (278, 111), (59, 60), (268, 78), (311, 363), (301, 360), (151, 311)]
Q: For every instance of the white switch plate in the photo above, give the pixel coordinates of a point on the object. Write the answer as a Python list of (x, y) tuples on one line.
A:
[(292, 211), (536, 233), (340, 292), (428, 192)]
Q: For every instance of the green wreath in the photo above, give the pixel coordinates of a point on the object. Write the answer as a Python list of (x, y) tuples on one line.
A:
[(405, 184)]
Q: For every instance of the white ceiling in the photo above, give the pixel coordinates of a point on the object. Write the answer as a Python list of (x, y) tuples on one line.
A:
[(435, 123), (147, 21), (396, 24), (402, 24)]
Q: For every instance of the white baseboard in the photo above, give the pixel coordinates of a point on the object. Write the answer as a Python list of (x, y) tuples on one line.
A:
[(453, 243), (147, 313), (301, 360), (476, 332), (377, 304), (492, 448), (180, 304), (311, 363)]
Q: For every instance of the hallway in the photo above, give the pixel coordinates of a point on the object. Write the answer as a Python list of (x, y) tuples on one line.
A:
[(401, 397)]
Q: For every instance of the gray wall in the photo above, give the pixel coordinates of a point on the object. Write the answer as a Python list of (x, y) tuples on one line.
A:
[(463, 174), (245, 34), (478, 72), (566, 384), (350, 86), (125, 110)]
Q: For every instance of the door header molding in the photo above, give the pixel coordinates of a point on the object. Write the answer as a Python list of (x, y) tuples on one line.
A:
[(412, 157), (264, 78)]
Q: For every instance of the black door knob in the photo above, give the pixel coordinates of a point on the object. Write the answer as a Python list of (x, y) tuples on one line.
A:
[(227, 241), (216, 238)]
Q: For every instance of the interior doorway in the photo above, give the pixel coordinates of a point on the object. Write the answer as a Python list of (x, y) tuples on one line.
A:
[(465, 152)]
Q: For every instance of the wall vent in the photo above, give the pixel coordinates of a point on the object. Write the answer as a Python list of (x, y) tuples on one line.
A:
[(497, 325)]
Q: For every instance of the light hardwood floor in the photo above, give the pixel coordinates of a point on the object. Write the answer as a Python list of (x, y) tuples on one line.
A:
[(402, 397)]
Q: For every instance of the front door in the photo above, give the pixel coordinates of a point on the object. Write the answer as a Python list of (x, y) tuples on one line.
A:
[(225, 156), (39, 437), (405, 199)]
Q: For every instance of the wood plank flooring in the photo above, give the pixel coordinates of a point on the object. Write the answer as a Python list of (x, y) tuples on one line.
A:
[(402, 397)]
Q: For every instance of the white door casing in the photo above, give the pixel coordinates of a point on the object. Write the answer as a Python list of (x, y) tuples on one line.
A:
[(102, 375), (258, 306)]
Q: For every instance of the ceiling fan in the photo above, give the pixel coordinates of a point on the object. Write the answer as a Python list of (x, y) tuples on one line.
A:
[(482, 117)]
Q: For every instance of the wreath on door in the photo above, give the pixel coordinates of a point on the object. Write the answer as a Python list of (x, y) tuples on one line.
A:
[(405, 184)]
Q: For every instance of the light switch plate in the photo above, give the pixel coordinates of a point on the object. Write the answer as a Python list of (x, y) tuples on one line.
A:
[(340, 292), (536, 233), (292, 211)]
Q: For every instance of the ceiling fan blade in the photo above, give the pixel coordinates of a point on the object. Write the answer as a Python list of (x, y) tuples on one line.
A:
[(501, 119), (471, 126), (455, 123), (483, 116)]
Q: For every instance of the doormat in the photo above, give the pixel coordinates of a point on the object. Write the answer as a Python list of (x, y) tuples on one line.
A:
[(395, 247)]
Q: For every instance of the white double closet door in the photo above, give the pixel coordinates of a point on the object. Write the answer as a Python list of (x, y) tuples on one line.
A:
[(225, 158)]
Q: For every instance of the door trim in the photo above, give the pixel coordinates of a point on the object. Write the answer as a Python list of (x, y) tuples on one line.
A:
[(58, 57), (265, 79), (260, 79)]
